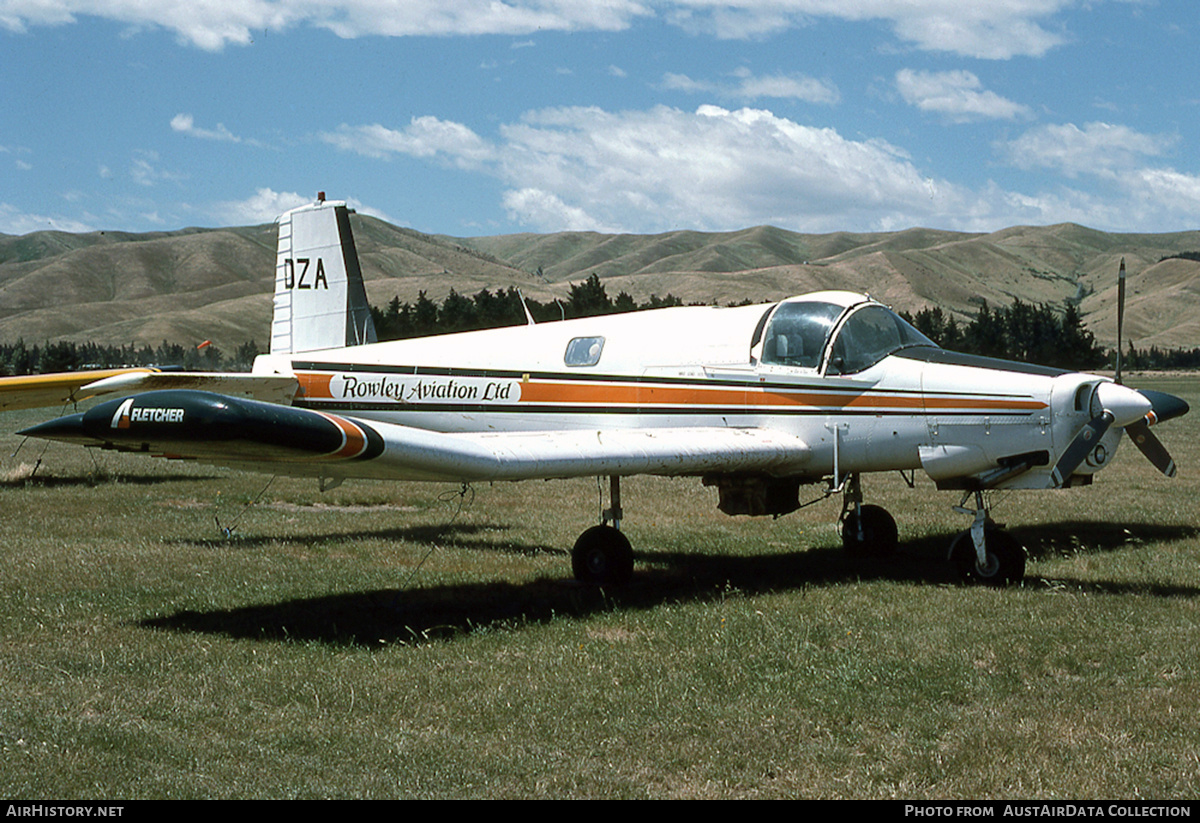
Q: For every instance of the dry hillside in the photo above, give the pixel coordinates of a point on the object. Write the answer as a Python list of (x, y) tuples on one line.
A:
[(196, 284)]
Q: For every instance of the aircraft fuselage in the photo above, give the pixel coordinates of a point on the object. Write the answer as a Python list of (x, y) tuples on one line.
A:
[(920, 407)]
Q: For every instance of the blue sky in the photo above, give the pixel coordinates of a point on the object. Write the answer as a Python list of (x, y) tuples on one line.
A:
[(474, 117)]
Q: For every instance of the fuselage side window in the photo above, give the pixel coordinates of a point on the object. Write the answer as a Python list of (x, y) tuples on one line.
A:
[(797, 332), (584, 351)]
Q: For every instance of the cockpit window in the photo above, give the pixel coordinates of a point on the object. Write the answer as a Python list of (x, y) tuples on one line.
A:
[(584, 351), (797, 332), (868, 336)]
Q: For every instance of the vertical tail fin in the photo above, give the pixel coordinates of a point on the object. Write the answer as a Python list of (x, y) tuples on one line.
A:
[(320, 302)]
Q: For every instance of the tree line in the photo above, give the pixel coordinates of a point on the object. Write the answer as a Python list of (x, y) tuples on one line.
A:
[(1022, 331), (489, 310), (1037, 334), (20, 358)]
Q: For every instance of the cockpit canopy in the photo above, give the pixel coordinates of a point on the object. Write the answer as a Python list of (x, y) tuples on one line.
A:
[(837, 331)]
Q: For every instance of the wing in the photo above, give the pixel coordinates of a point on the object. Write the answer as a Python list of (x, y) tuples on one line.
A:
[(63, 388), (58, 389), (265, 437), (272, 388)]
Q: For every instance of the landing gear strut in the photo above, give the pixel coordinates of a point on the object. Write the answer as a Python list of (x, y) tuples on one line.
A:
[(985, 553), (867, 530), (602, 555)]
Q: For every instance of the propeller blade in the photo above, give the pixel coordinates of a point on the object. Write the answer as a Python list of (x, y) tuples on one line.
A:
[(1120, 315), (1164, 406), (1078, 451), (1151, 446)]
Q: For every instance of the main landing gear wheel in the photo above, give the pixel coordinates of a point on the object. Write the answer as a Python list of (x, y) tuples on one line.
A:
[(1005, 564), (602, 557), (869, 530)]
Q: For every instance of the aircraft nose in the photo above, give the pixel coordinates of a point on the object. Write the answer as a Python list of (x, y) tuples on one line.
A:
[(1126, 405)]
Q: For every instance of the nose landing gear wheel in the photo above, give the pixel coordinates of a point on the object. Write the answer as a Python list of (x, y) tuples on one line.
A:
[(1005, 564)]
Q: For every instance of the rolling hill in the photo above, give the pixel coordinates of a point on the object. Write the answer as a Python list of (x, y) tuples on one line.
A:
[(119, 288)]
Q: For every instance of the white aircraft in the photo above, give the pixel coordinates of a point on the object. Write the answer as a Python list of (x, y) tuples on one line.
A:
[(757, 401)]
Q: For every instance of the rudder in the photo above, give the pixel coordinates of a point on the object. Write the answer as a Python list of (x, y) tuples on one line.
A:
[(320, 301)]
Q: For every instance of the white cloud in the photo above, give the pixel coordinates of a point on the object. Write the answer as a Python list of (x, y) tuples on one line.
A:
[(214, 24), (958, 95), (798, 87), (261, 207), (720, 169), (535, 207), (1167, 189), (266, 204), (681, 82), (14, 221), (145, 170), (396, 18), (1132, 190), (665, 168), (993, 29), (989, 29), (185, 124), (427, 137), (1096, 149), (747, 86), (21, 152)]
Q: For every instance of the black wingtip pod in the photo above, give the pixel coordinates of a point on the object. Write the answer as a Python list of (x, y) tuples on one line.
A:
[(188, 423), (68, 429)]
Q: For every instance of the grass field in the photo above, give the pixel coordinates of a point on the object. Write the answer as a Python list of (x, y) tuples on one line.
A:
[(396, 640)]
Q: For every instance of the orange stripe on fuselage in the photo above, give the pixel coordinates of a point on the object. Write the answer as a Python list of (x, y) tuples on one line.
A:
[(609, 394), (316, 386)]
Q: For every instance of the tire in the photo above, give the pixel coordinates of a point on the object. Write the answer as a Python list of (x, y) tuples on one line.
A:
[(1006, 558), (602, 556), (879, 534)]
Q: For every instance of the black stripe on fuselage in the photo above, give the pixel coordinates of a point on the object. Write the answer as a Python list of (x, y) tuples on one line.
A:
[(693, 411), (926, 354)]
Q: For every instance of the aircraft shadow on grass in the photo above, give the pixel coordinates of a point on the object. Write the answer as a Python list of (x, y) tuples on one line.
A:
[(53, 481), (455, 535), (422, 614)]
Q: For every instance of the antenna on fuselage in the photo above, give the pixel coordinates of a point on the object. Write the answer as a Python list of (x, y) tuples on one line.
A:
[(529, 321)]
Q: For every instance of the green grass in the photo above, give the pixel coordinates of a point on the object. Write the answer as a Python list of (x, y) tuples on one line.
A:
[(146, 655)]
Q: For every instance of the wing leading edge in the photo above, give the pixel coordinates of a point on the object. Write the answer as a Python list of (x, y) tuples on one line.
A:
[(266, 437), (57, 389)]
